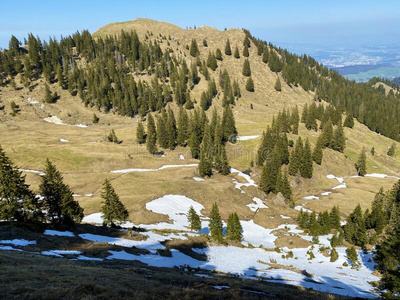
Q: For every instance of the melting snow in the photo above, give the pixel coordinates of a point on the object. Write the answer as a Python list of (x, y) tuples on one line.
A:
[(257, 235), (40, 173), (55, 120), (247, 137), (312, 197), (256, 204), (59, 233), (221, 287), (198, 179), (17, 242), (64, 141), (60, 253), (130, 170), (340, 186), (326, 193), (302, 208), (249, 181)]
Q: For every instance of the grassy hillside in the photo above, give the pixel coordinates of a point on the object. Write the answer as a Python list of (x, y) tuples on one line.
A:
[(87, 159)]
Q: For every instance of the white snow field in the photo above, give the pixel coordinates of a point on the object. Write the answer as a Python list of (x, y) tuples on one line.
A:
[(163, 167), (258, 258)]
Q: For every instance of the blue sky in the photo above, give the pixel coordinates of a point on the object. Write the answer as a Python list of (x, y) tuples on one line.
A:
[(308, 23)]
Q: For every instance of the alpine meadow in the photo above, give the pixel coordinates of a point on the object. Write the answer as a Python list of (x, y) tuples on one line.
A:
[(146, 160)]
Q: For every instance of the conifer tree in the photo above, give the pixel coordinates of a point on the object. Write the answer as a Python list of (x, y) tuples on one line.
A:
[(151, 138), (96, 119), (278, 86), (171, 129), (338, 140), (58, 198), (353, 257), (234, 228), (349, 121), (183, 127), (48, 95), (306, 168), (392, 150), (17, 202), (228, 124), (236, 52), (334, 255), (327, 134), (249, 85), (228, 50), (372, 151), (283, 186), (245, 51), (140, 134), (194, 49), (205, 164), (295, 160), (318, 153), (270, 173), (114, 211), (361, 164), (194, 220), (212, 61), (294, 120), (215, 224), (218, 54), (265, 55), (246, 71)]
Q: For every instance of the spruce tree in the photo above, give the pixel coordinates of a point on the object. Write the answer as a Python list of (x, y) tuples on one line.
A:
[(270, 173), (218, 54), (151, 138), (361, 164), (194, 49), (249, 85), (318, 151), (245, 51), (234, 228), (327, 134), (306, 168), (278, 86), (338, 140), (246, 71), (236, 52), (334, 255), (228, 124), (353, 257), (215, 224), (194, 220), (205, 164), (48, 95), (171, 129), (182, 127), (96, 119), (58, 198), (114, 211), (283, 186), (17, 202), (392, 150), (349, 121), (220, 160), (212, 61), (295, 160), (228, 50), (140, 134)]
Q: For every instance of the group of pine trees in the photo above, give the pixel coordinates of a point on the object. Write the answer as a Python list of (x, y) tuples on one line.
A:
[(320, 224), (54, 204), (206, 138), (233, 230), (379, 111), (279, 159)]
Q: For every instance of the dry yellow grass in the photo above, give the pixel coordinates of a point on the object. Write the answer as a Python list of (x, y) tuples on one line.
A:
[(88, 159)]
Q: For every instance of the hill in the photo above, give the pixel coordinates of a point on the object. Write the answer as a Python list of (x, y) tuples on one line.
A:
[(140, 75)]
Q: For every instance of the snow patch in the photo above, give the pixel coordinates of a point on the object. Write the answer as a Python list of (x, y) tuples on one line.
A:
[(257, 235), (131, 170), (54, 120), (239, 185), (37, 172), (247, 137), (64, 141), (17, 242), (311, 197), (256, 204), (198, 179), (326, 193), (302, 208), (60, 253), (340, 186), (58, 233)]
